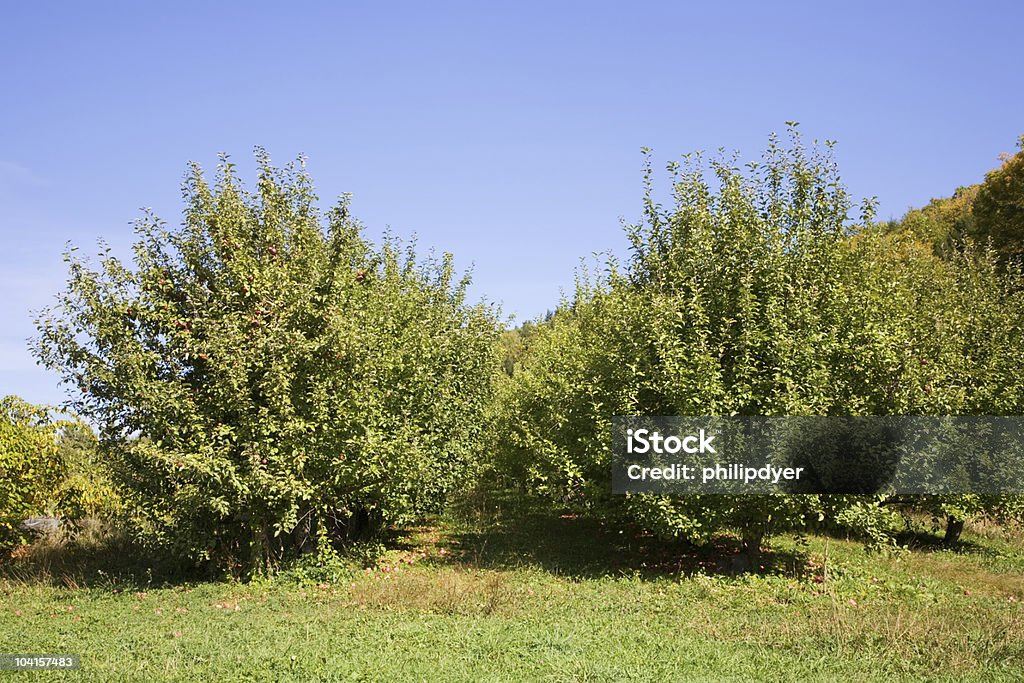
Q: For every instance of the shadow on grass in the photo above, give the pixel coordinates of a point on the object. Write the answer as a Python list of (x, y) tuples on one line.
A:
[(518, 531), (496, 530), (96, 557), (918, 536), (920, 540)]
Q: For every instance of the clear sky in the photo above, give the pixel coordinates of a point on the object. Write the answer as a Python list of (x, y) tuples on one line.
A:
[(507, 133)]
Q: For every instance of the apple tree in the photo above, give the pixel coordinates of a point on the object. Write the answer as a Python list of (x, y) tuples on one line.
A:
[(264, 378)]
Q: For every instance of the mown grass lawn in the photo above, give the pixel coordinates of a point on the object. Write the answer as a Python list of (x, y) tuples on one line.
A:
[(524, 595)]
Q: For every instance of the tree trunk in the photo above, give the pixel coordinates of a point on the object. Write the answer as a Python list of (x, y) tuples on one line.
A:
[(953, 528), (750, 554)]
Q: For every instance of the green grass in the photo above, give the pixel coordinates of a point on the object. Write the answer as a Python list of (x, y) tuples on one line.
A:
[(510, 593)]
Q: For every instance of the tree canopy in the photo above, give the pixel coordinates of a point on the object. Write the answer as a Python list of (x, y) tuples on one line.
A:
[(263, 377)]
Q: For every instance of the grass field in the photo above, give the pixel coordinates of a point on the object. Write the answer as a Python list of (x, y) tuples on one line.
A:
[(517, 593)]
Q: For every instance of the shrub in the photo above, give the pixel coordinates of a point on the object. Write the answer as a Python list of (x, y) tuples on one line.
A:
[(85, 489), (29, 465)]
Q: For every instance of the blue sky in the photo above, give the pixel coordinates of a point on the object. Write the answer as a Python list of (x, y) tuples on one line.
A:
[(506, 133)]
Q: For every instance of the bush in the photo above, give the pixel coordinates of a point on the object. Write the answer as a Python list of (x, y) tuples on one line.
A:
[(263, 376), (85, 489), (29, 465)]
